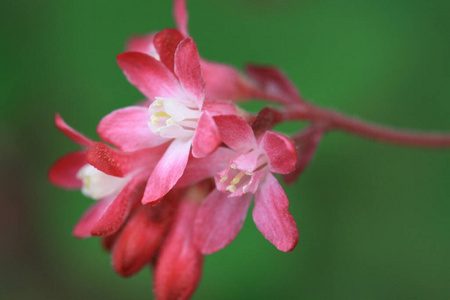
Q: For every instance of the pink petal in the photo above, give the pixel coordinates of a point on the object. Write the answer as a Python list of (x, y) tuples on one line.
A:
[(307, 143), (63, 172), (280, 151), (71, 133), (206, 137), (119, 163), (119, 208), (179, 265), (142, 43), (237, 87), (275, 84), (187, 68), (168, 170), (219, 220), (84, 226), (166, 43), (149, 75), (198, 169), (217, 108), (272, 217), (181, 16), (139, 239), (235, 132), (127, 128)]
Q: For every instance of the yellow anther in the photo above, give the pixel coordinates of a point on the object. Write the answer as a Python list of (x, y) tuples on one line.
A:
[(154, 119), (237, 178), (87, 182), (233, 166), (170, 121), (231, 188), (223, 179), (157, 104), (162, 114), (249, 173)]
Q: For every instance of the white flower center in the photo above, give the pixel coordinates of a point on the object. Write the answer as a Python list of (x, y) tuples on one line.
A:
[(172, 118), (98, 185)]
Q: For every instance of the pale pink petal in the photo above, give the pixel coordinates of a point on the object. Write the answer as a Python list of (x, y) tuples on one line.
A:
[(217, 108), (168, 170), (127, 128), (63, 172), (119, 208), (280, 151), (223, 82), (272, 217), (139, 239), (166, 43), (198, 169), (275, 84), (71, 133), (187, 68), (219, 220), (235, 133), (206, 137), (142, 43), (307, 143), (149, 75), (179, 264), (84, 226), (181, 16)]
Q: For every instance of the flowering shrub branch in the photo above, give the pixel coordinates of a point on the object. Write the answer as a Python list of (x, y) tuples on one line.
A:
[(186, 163)]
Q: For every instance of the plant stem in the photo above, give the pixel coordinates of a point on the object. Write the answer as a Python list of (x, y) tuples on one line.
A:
[(337, 121)]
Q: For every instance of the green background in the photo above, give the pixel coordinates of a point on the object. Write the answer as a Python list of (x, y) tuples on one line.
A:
[(373, 218)]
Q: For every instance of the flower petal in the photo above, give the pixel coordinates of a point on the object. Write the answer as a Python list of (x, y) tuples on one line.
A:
[(179, 265), (149, 75), (198, 169), (84, 226), (280, 151), (187, 68), (206, 137), (140, 238), (275, 84), (307, 143), (181, 16), (119, 163), (166, 43), (71, 133), (235, 133), (272, 217), (117, 211), (63, 172), (168, 170), (217, 108), (127, 128), (219, 220), (144, 44), (237, 87)]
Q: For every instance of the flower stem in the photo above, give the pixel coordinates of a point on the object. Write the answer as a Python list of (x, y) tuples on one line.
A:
[(336, 121)]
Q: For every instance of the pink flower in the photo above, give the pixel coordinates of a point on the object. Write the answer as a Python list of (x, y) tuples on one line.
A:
[(222, 213), (177, 113)]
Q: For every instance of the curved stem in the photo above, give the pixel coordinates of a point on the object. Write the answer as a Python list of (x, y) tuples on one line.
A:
[(339, 121)]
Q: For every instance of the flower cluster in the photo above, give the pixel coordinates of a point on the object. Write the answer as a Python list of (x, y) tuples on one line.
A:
[(186, 163)]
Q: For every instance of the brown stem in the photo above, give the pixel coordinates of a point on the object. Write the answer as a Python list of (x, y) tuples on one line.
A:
[(381, 133)]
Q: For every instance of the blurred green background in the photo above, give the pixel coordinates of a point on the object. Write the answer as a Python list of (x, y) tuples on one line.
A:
[(373, 218)]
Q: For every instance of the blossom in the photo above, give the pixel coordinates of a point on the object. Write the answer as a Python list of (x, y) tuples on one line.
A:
[(222, 213)]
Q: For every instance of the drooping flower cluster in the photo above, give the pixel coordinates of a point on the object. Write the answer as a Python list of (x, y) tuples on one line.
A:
[(185, 164)]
